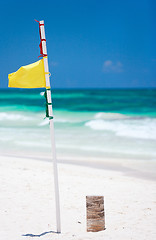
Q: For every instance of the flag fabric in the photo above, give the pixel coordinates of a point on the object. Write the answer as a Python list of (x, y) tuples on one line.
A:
[(29, 76)]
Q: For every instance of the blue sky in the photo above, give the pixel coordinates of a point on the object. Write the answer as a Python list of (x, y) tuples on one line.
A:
[(91, 43)]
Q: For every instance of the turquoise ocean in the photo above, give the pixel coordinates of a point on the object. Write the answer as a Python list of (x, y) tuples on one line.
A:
[(89, 123)]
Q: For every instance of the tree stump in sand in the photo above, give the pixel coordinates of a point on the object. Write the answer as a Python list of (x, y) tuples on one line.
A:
[(95, 213)]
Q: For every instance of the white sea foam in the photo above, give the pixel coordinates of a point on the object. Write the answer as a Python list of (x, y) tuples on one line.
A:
[(42, 93), (44, 122), (14, 117), (59, 120), (107, 115), (135, 128)]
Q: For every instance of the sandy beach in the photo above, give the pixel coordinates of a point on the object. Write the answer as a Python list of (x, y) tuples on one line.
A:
[(28, 203), (78, 85)]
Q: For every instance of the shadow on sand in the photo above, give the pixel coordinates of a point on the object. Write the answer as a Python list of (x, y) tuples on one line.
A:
[(37, 235)]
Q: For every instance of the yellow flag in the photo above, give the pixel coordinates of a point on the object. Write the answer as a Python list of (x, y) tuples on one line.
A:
[(29, 76)]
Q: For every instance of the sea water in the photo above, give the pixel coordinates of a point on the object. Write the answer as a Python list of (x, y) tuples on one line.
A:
[(88, 123)]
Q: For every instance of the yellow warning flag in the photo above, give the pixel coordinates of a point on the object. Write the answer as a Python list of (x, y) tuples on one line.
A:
[(29, 76)]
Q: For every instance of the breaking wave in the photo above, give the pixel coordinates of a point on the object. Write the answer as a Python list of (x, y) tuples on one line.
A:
[(135, 128), (108, 115), (14, 117)]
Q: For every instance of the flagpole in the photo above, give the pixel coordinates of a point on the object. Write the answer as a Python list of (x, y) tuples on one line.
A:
[(51, 122)]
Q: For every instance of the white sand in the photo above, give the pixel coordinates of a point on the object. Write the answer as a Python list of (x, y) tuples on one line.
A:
[(27, 202)]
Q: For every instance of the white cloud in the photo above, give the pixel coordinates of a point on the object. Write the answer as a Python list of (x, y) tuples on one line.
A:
[(110, 67), (53, 63), (108, 63)]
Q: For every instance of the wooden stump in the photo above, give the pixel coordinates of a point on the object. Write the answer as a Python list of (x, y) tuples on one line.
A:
[(95, 213)]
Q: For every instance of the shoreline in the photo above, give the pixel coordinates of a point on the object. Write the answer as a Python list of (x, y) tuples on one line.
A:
[(145, 169)]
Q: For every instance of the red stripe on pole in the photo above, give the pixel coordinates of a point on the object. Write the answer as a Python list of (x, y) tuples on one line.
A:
[(40, 45)]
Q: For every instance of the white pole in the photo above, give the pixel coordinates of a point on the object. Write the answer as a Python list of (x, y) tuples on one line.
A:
[(51, 121)]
